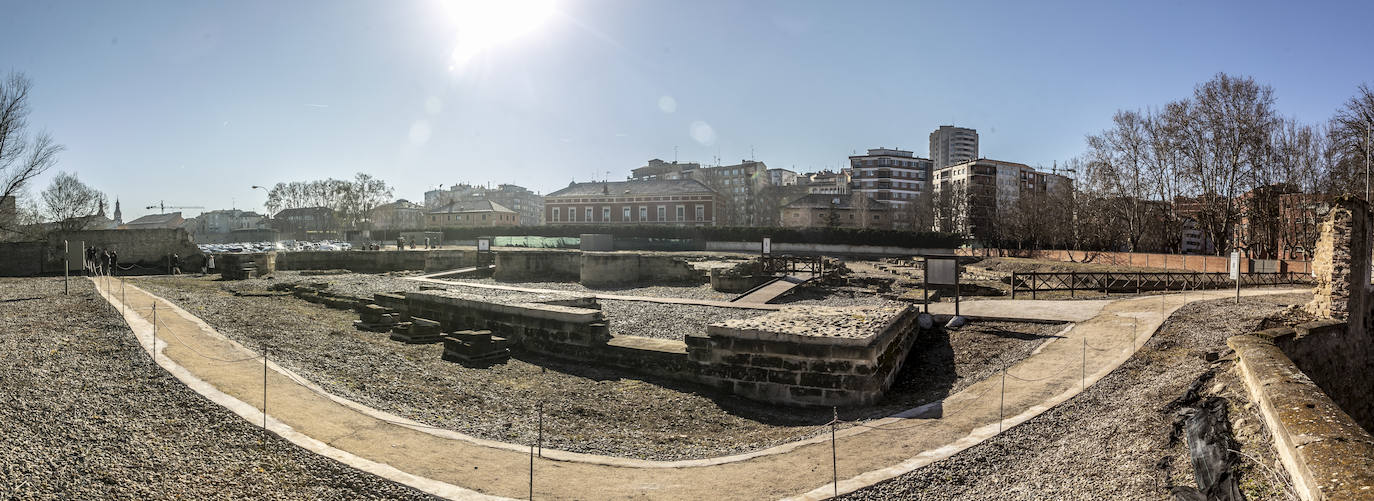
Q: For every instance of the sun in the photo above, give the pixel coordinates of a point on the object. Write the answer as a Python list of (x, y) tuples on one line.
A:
[(481, 25)]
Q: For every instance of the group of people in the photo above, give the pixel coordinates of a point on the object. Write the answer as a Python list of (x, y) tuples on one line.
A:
[(101, 261)]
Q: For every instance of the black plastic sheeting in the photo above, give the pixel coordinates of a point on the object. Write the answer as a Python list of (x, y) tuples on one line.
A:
[(1206, 424)]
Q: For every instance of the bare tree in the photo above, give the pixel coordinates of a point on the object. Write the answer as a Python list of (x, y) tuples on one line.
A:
[(1352, 139), (352, 201), (69, 202), (23, 155), (1120, 156)]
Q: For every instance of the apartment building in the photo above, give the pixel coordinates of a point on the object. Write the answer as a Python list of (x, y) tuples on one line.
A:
[(971, 195), (895, 177), (951, 145), (826, 182), (528, 204)]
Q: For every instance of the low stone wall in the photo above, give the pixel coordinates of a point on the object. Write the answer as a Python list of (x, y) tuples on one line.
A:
[(552, 329), (1328, 455), (724, 281), (603, 269), (524, 266), (22, 259), (358, 261), (808, 355), (1337, 361), (148, 248), (440, 260), (236, 266)]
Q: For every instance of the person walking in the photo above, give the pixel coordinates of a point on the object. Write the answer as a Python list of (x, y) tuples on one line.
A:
[(114, 262), (176, 264)]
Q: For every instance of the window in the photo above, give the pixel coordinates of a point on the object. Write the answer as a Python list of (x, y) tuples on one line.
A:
[(625, 213), (643, 213), (556, 214), (701, 213), (681, 213), (588, 215), (605, 214), (662, 213)]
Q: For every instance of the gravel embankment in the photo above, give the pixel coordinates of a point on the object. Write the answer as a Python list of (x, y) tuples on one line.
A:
[(587, 409), (1112, 441), (85, 415)]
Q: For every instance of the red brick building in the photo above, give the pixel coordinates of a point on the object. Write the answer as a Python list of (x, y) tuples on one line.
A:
[(680, 202)]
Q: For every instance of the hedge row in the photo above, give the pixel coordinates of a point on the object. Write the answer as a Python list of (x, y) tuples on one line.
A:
[(848, 236)]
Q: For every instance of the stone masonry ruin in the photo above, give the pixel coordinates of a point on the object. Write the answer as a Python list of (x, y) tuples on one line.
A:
[(794, 356), (1313, 381)]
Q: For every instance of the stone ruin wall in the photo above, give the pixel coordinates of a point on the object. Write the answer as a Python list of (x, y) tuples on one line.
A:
[(804, 370), (1341, 360)]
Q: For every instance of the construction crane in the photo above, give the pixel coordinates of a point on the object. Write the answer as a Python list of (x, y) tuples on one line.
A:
[(162, 207)]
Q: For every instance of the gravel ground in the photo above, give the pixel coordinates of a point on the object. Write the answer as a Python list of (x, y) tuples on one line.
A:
[(701, 291), (1111, 442), (666, 321), (587, 409), (85, 415), (353, 284)]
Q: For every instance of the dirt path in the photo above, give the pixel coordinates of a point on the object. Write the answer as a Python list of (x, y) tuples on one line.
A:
[(439, 461)]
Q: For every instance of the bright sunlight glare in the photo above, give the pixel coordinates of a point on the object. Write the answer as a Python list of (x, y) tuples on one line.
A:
[(484, 24)]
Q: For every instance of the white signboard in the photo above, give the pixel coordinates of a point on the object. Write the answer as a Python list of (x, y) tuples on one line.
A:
[(767, 245), (1235, 265), (942, 271), (483, 244)]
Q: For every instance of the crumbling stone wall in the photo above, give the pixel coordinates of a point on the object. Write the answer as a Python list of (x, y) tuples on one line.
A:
[(1341, 264), (1339, 356)]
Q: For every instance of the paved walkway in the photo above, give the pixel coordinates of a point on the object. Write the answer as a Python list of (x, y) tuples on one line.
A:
[(1023, 310), (460, 467)]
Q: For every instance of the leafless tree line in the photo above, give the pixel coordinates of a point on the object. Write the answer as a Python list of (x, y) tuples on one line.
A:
[(352, 201), (1223, 161)]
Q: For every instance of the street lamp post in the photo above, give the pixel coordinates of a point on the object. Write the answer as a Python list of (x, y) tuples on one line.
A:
[(269, 194)]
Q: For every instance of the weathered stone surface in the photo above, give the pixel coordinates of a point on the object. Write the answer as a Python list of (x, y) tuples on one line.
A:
[(1326, 452)]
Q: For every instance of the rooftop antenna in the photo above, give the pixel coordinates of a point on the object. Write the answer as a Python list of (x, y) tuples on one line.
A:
[(674, 153), (751, 152)]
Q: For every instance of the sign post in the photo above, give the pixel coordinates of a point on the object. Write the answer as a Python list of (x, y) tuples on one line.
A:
[(944, 271), (67, 266), (767, 246), (1235, 272)]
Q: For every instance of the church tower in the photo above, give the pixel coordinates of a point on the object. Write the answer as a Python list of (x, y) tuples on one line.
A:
[(118, 218)]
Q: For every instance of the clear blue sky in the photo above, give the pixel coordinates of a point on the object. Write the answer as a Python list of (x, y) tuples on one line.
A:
[(193, 102)]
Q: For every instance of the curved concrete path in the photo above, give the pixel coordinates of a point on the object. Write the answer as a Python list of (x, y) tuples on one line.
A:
[(460, 467)]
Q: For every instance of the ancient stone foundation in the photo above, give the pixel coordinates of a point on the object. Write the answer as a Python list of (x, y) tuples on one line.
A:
[(808, 355), (795, 356)]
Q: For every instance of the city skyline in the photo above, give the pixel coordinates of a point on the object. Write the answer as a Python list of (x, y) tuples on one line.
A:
[(185, 103)]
